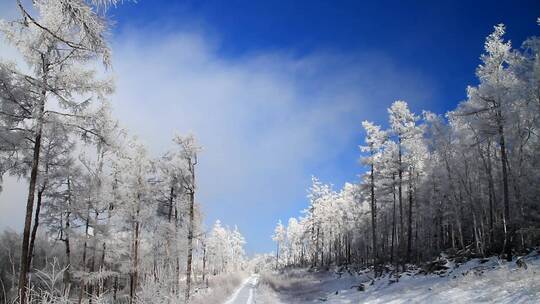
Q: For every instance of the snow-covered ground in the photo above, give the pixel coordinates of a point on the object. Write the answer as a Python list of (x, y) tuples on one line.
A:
[(476, 281), (245, 294), (219, 288)]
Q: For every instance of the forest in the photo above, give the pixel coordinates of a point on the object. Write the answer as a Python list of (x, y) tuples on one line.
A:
[(464, 182), (106, 221)]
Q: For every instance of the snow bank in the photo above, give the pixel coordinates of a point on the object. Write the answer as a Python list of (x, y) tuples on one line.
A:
[(475, 281)]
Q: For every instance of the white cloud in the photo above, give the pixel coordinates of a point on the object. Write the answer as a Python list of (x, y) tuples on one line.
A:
[(265, 119)]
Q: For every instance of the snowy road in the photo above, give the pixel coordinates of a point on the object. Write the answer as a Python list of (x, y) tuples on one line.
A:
[(245, 293)]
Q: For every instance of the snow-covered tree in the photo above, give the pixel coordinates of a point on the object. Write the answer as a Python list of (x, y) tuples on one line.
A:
[(458, 182), (58, 44), (225, 249), (375, 139), (280, 237)]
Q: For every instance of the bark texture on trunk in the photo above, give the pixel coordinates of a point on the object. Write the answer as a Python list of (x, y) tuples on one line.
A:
[(373, 218), (506, 197), (191, 227), (25, 250)]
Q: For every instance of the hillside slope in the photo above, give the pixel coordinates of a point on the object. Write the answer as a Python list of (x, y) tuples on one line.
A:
[(475, 281)]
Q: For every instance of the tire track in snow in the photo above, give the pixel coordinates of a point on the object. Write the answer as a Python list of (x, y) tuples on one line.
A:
[(245, 293)]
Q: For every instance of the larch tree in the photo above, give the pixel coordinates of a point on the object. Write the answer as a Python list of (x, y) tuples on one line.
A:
[(136, 168), (280, 237), (403, 127), (222, 245), (56, 45), (375, 139), (463, 183), (189, 149), (489, 107)]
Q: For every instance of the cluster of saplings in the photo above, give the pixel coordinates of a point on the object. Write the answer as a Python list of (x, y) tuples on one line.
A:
[(464, 183), (104, 221)]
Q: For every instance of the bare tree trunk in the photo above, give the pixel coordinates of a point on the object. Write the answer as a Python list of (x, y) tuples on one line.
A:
[(93, 263), (66, 239), (452, 237), (349, 248), (506, 199), (400, 198), (101, 267), (171, 198), (82, 285), (204, 265), (23, 275), (393, 218), (317, 248), (373, 218), (177, 275), (468, 188), (409, 233), (67, 272), (115, 288), (134, 276), (277, 255), (491, 186), (190, 246), (35, 227), (191, 228), (486, 161), (454, 207), (322, 246), (385, 239)]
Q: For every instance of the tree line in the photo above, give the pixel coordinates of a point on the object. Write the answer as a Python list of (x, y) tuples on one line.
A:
[(104, 221), (464, 182)]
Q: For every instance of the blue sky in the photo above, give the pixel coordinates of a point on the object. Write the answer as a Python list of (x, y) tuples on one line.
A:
[(439, 39), (438, 42), (276, 91)]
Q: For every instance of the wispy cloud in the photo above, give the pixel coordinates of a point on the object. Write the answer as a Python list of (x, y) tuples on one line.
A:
[(267, 120)]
